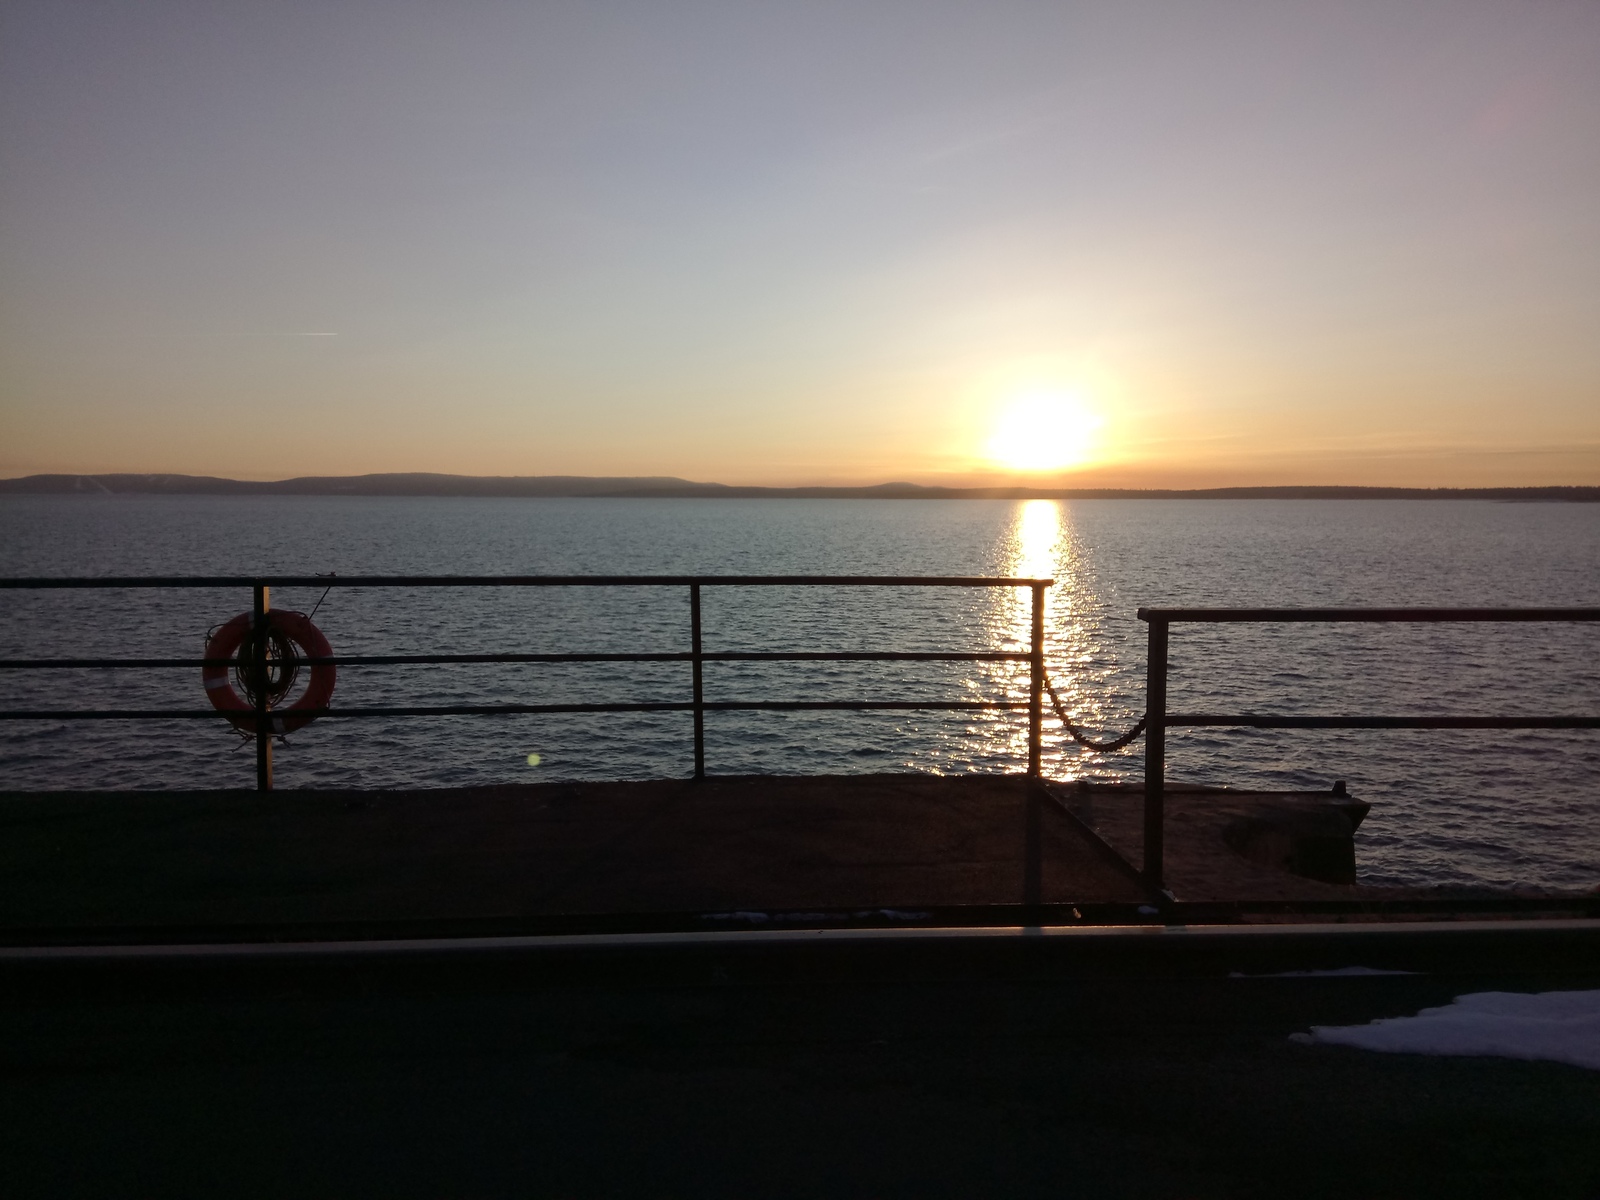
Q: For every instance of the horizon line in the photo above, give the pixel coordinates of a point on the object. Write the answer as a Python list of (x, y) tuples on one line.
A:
[(666, 487)]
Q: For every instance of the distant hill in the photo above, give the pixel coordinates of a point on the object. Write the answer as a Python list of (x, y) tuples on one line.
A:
[(667, 487), (408, 484)]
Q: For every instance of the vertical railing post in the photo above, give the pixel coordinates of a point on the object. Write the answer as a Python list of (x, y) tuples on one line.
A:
[(258, 668), (1036, 685), (699, 690), (1155, 754)]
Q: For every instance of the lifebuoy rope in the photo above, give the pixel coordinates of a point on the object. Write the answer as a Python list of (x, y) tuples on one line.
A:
[(312, 614)]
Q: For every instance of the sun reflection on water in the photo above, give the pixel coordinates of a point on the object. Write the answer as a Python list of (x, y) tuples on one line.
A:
[(1041, 544), (1036, 541)]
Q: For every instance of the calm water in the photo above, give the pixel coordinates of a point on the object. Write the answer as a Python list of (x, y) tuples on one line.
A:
[(1497, 808)]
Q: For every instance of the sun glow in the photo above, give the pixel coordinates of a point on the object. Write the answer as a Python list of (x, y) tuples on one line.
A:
[(1044, 431)]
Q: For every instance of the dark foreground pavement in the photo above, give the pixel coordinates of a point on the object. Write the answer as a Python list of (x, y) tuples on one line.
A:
[(743, 1068)]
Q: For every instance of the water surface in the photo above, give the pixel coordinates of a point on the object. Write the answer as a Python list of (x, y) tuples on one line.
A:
[(1496, 808)]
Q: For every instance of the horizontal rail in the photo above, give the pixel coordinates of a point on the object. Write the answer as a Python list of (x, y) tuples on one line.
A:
[(1236, 615), (324, 581), (1158, 720), (1264, 721), (486, 710), (261, 717), (386, 660)]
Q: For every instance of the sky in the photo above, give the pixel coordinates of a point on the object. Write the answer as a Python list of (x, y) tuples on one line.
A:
[(1194, 243)]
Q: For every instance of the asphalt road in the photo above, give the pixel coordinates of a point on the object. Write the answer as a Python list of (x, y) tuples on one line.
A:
[(713, 1073)]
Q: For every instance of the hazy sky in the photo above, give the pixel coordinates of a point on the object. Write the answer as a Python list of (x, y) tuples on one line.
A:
[(1180, 242)]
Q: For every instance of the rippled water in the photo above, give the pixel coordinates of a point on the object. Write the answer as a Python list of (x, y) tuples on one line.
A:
[(1499, 808)]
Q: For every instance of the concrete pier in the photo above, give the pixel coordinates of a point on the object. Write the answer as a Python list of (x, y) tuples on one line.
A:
[(173, 859), (726, 852)]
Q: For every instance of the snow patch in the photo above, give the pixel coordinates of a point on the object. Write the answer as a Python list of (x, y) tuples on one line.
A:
[(1555, 1026)]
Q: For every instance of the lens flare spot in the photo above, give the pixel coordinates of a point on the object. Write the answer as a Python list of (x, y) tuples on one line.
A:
[(534, 760)]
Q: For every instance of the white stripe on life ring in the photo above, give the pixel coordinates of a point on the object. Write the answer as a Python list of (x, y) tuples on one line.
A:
[(213, 684)]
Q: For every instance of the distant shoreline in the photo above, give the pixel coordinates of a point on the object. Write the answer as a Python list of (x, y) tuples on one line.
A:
[(668, 488)]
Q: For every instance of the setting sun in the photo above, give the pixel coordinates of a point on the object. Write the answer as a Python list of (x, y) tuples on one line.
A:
[(1043, 431)]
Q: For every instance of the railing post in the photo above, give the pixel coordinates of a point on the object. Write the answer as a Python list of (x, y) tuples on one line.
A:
[(1036, 685), (258, 626), (699, 690), (1155, 755)]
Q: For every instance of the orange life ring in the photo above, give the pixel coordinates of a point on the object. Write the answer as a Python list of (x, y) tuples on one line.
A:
[(297, 628)]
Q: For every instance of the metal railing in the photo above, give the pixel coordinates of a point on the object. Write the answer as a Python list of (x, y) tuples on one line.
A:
[(696, 656), (1159, 621), (1159, 720)]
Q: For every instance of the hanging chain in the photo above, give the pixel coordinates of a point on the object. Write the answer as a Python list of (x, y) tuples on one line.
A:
[(1078, 734)]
